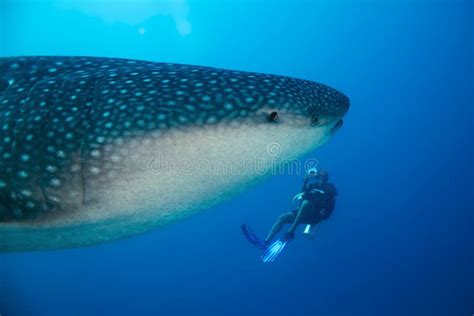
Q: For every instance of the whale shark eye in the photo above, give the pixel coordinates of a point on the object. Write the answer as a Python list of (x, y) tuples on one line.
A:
[(273, 116), (314, 120)]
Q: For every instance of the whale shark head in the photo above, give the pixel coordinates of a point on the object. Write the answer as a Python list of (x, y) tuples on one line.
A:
[(99, 149)]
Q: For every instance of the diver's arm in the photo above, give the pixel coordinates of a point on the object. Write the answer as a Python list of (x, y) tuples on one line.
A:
[(305, 183), (328, 209), (330, 202)]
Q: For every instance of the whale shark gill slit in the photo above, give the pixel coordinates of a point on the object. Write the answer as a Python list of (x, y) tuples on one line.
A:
[(3, 85)]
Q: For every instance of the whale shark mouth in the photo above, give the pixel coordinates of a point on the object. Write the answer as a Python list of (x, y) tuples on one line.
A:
[(337, 126)]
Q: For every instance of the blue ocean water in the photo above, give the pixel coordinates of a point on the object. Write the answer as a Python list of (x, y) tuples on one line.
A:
[(400, 240)]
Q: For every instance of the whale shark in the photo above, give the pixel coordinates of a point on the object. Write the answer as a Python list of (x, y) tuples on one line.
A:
[(99, 149)]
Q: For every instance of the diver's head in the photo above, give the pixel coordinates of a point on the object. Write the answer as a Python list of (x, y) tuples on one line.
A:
[(311, 172), (323, 176)]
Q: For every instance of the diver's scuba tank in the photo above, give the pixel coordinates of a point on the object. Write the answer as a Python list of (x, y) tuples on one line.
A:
[(309, 231)]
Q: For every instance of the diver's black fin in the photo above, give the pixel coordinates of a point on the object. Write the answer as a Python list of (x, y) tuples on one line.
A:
[(252, 237)]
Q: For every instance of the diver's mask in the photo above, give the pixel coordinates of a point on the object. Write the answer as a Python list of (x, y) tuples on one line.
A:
[(311, 172)]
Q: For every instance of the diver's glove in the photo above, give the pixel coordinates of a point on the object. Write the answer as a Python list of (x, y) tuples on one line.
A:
[(288, 236)]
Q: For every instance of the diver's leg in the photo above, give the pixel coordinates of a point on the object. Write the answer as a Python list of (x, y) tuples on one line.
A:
[(304, 212), (286, 218)]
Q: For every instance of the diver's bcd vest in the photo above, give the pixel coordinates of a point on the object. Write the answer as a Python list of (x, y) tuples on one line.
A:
[(323, 197)]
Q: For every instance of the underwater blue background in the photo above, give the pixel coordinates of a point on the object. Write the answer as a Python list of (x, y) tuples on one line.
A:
[(400, 241)]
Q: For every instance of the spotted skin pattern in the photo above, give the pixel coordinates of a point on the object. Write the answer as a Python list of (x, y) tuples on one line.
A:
[(61, 116)]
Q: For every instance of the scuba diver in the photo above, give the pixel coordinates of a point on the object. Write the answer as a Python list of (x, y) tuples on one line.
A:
[(317, 202)]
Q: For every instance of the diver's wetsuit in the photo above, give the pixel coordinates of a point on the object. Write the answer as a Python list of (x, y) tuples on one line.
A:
[(322, 203), (315, 206)]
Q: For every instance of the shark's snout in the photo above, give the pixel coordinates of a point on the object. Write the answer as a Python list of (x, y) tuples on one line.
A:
[(345, 104), (338, 102), (328, 108)]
